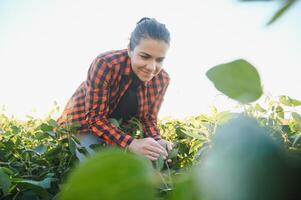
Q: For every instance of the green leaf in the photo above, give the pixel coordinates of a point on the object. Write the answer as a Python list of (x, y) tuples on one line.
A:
[(40, 135), (183, 148), (40, 149), (18, 142), (172, 153), (33, 194), (258, 108), (54, 152), (280, 112), (194, 147), (159, 163), (7, 170), (201, 151), (4, 182), (214, 110), (44, 184), (296, 117), (75, 139), (193, 135), (282, 10), (111, 174), (15, 129), (35, 187), (297, 137), (223, 117), (286, 100), (81, 157), (180, 134), (114, 121), (45, 127), (74, 126), (243, 148), (238, 80), (51, 133), (72, 145), (52, 123), (205, 118), (286, 129)]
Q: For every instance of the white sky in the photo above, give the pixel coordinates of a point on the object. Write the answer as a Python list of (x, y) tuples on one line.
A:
[(46, 48)]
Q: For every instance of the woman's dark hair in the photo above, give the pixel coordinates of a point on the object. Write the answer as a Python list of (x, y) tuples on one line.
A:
[(149, 28)]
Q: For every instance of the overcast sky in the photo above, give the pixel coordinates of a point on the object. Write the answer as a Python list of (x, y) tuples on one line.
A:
[(46, 48)]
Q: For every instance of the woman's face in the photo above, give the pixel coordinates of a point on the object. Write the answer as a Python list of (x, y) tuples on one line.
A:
[(147, 58)]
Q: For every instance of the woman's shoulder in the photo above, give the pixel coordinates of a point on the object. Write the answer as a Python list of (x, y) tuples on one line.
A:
[(164, 76), (114, 56), (112, 63)]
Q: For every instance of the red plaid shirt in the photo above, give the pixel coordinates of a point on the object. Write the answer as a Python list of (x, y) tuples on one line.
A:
[(109, 77)]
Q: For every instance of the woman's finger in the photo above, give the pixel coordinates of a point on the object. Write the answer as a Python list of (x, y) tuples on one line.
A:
[(156, 147), (156, 150), (153, 154), (151, 157)]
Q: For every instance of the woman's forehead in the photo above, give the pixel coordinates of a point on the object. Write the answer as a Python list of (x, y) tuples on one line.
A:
[(151, 47)]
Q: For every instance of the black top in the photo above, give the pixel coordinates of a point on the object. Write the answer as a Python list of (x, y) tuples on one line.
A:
[(128, 104)]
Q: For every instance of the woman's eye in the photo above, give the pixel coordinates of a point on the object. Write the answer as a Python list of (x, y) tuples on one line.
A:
[(160, 60), (144, 57)]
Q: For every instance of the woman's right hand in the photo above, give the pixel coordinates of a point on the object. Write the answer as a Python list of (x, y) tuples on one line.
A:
[(148, 147)]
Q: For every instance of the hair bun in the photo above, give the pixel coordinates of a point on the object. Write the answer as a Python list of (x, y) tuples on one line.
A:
[(143, 19)]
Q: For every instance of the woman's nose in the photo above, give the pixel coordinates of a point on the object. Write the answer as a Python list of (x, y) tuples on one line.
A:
[(151, 66)]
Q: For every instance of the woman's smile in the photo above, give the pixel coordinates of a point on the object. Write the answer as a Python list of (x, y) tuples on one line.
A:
[(146, 72)]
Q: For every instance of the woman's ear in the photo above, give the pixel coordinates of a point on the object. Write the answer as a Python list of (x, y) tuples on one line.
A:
[(129, 51)]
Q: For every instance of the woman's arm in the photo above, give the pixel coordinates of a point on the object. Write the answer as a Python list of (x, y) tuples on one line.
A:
[(97, 104)]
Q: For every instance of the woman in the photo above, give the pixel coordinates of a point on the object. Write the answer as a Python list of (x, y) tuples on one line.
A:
[(123, 84)]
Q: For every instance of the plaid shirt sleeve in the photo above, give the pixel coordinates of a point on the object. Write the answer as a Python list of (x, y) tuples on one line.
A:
[(97, 104), (149, 120)]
